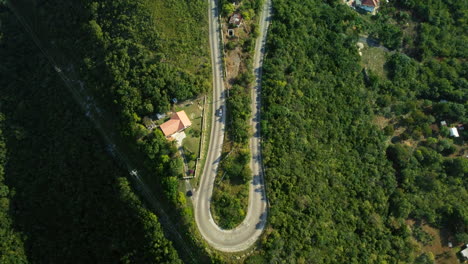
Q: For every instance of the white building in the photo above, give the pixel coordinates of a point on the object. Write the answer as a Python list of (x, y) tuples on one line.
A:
[(160, 116), (454, 132), (464, 253)]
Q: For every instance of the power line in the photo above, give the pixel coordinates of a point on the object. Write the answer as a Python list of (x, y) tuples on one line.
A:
[(163, 217)]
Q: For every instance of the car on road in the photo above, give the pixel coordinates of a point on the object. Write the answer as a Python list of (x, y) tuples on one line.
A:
[(220, 112)]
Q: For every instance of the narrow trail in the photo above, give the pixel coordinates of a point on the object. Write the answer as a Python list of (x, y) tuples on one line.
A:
[(243, 236)]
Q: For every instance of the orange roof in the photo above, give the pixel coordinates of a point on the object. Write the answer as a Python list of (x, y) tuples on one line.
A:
[(178, 122), (183, 118), (373, 3)]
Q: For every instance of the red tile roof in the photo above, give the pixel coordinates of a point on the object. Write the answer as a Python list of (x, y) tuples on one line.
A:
[(182, 116), (179, 121), (373, 3)]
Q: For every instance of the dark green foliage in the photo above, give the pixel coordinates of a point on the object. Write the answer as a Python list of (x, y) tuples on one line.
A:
[(421, 235), (228, 208), (230, 196), (71, 200), (457, 167), (390, 35), (425, 258), (421, 94), (331, 186), (389, 130), (127, 63), (227, 7), (425, 175), (442, 27), (328, 178), (238, 104), (399, 154), (11, 244)]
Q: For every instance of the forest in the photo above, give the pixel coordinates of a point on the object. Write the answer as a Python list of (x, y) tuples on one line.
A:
[(67, 197), (131, 63), (68, 200), (342, 188)]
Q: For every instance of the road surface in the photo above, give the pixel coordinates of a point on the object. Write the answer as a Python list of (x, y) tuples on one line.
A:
[(244, 235)]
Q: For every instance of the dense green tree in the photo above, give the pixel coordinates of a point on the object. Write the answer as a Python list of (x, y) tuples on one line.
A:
[(72, 201), (330, 180), (11, 242)]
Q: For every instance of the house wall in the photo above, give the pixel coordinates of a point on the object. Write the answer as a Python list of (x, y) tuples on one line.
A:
[(367, 8)]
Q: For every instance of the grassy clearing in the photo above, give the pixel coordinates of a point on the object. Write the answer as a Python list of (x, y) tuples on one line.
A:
[(194, 110), (184, 34), (206, 135), (191, 144), (433, 242), (374, 59)]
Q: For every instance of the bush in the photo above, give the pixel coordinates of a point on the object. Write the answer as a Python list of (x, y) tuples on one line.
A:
[(231, 45), (389, 130)]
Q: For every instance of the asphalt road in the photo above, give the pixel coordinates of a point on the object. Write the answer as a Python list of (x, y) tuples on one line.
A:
[(244, 235)]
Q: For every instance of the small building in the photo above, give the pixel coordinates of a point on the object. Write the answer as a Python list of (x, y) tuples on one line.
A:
[(454, 132), (236, 19), (160, 116), (443, 123), (178, 122), (464, 253), (367, 5)]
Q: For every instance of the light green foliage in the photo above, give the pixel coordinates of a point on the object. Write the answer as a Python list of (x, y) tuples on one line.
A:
[(181, 27), (11, 242), (328, 179), (248, 14), (228, 9), (331, 187), (442, 27), (230, 196), (426, 86)]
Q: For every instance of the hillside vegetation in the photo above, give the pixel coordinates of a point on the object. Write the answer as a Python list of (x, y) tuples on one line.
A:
[(68, 197), (12, 244), (339, 192), (134, 58), (71, 201), (231, 191)]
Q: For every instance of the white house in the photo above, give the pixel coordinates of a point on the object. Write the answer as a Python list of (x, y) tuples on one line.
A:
[(454, 132)]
